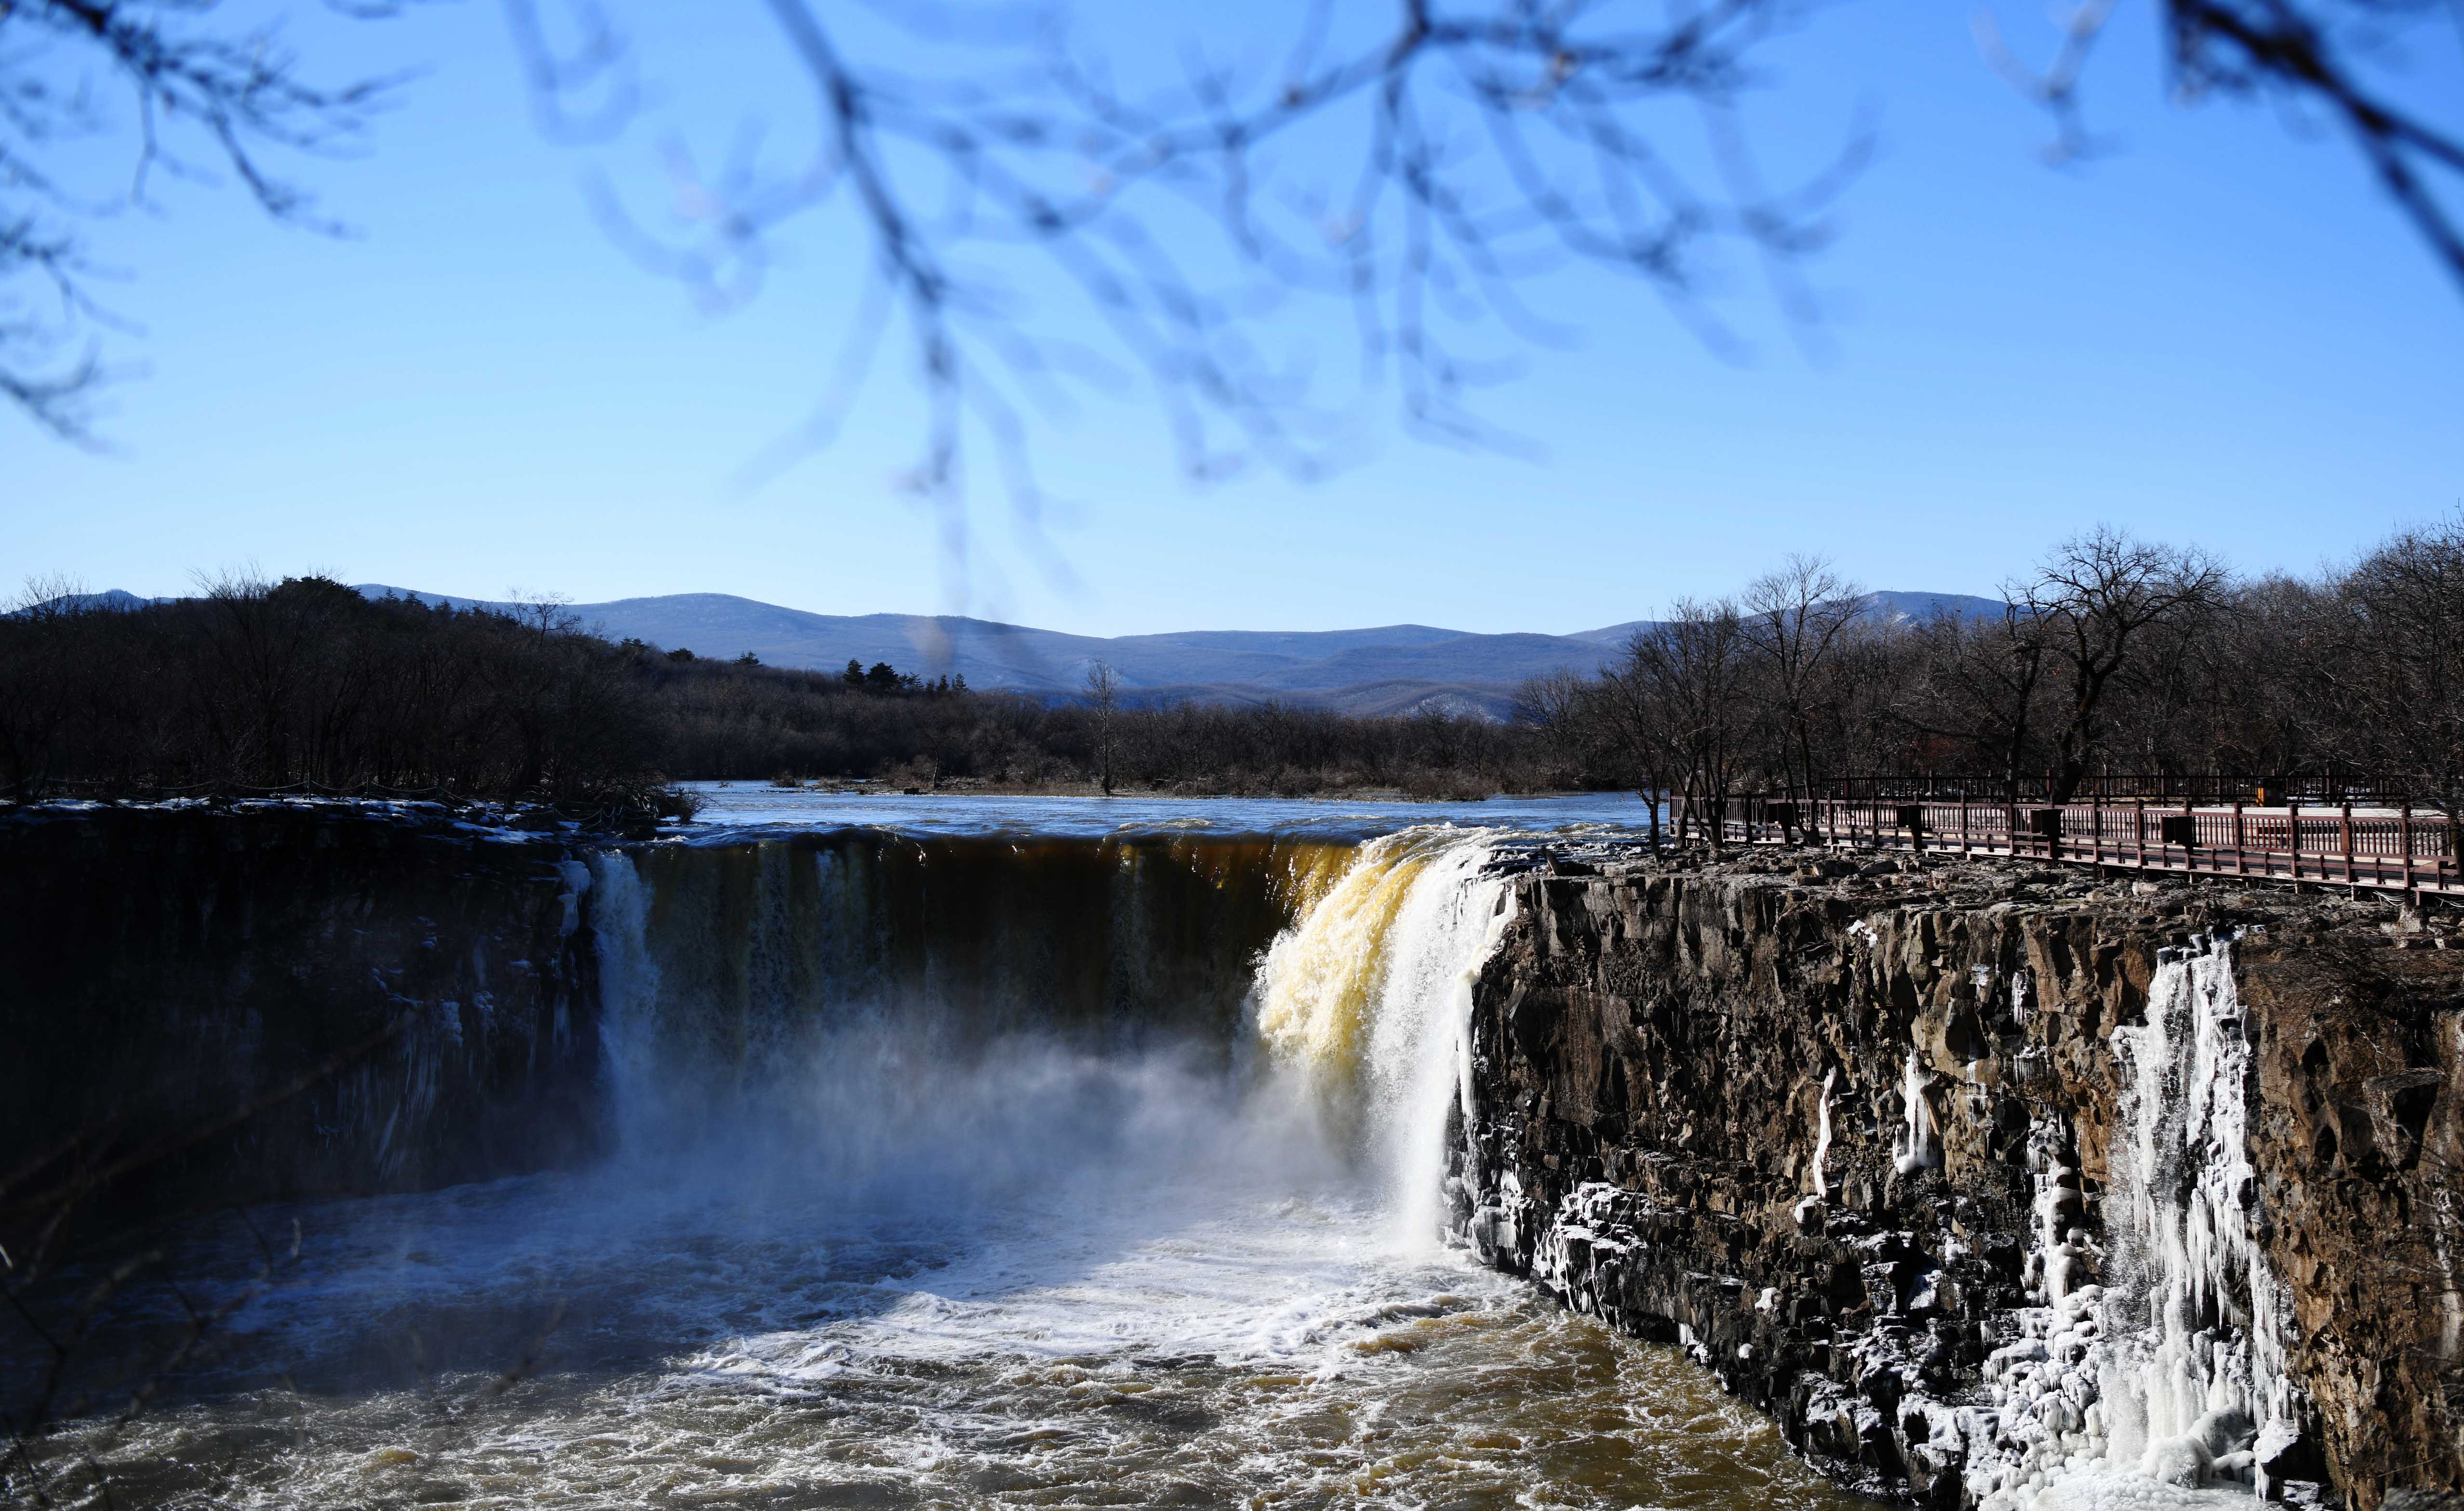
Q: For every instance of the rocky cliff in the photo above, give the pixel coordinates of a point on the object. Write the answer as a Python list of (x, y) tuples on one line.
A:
[(1977, 1178), (211, 1005)]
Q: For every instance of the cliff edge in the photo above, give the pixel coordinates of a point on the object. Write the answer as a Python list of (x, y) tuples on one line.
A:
[(1985, 1181), (212, 1006)]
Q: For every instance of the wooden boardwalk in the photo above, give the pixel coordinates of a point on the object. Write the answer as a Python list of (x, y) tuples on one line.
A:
[(2384, 849)]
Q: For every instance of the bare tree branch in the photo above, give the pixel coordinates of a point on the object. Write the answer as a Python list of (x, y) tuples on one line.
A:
[(2315, 53), (200, 102), (1415, 172)]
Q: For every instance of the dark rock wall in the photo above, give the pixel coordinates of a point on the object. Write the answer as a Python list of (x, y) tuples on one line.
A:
[(216, 1005), (2361, 1144), (236, 1006), (1654, 1051)]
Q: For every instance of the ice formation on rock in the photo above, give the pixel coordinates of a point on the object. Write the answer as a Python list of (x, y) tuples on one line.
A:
[(2195, 1383), (2160, 1361), (1919, 1145), (1823, 1133)]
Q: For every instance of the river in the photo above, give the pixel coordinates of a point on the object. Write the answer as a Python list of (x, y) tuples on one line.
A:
[(965, 1152)]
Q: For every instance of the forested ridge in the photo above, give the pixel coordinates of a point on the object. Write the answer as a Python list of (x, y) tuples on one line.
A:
[(256, 685), (2109, 655)]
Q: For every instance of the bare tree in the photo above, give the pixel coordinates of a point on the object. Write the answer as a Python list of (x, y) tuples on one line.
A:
[(1982, 686), (1451, 152), (40, 682), (1603, 721), (2347, 59), (197, 98), (1402, 174), (1682, 683), (2112, 651), (1792, 620), (2092, 599), (1409, 169), (1104, 697), (2400, 677)]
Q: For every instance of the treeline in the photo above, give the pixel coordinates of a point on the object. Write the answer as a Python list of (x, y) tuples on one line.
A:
[(2111, 656), (739, 722), (255, 686)]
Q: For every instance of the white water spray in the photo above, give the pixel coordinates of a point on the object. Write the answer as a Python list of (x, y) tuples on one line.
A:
[(1370, 996)]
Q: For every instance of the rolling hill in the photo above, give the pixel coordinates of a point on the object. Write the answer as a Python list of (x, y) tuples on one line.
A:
[(1343, 667), (1389, 669)]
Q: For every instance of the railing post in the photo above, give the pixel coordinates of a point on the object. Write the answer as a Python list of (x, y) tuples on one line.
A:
[(2349, 880), (2293, 837), (2241, 846), (2404, 839)]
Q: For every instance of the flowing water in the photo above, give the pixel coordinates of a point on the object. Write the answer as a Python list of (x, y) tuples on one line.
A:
[(994, 1171)]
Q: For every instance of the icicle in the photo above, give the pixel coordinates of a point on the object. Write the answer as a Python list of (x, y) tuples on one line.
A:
[(1919, 1145), (1822, 1135), (2195, 1367)]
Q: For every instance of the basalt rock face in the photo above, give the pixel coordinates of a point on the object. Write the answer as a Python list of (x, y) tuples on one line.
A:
[(1881, 1151), (2361, 1073), (208, 1006)]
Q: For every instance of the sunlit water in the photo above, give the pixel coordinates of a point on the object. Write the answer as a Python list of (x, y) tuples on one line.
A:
[(1235, 1339), (1029, 1273), (734, 809)]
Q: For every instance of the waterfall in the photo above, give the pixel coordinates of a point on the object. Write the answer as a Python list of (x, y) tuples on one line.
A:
[(2192, 1376), (628, 991), (1369, 997), (733, 974), (2167, 1368), (833, 989)]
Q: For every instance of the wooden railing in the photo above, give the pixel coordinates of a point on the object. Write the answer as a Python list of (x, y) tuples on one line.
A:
[(2122, 787), (2345, 845)]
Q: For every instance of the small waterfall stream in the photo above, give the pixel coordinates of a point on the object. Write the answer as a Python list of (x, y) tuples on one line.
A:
[(1370, 995), (2167, 1368), (2192, 1375)]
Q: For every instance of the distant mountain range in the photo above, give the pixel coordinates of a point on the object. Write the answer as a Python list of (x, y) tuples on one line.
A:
[(1396, 669)]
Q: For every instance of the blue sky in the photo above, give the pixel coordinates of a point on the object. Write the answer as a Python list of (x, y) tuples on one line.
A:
[(2216, 331)]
